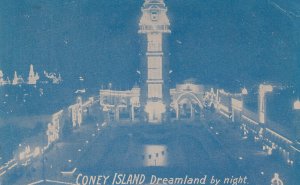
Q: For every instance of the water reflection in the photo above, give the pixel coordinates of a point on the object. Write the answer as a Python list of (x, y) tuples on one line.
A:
[(155, 155)]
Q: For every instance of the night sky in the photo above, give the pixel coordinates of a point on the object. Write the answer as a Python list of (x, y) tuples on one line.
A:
[(230, 44)]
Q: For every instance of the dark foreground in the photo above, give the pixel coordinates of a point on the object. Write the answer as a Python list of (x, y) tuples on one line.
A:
[(210, 151)]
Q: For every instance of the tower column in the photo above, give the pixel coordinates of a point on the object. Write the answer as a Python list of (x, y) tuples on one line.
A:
[(117, 113), (132, 113), (154, 23), (297, 119), (192, 111), (177, 111)]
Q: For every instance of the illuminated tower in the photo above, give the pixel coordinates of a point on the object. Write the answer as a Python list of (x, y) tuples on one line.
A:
[(16, 79), (154, 24), (263, 89), (32, 77), (1, 78)]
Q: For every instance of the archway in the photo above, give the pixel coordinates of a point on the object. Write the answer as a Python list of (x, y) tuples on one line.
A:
[(188, 106)]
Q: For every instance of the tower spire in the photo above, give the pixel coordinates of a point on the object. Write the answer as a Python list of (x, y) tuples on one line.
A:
[(33, 77), (16, 79)]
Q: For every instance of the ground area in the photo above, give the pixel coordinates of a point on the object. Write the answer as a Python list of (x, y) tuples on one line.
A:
[(211, 148)]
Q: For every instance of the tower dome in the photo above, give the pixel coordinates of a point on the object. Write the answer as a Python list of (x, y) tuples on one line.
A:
[(297, 105), (154, 18)]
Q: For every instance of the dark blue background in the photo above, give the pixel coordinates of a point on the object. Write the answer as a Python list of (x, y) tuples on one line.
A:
[(230, 43)]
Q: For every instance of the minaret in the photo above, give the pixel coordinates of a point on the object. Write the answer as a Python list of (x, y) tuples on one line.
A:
[(16, 79), (154, 24), (32, 78)]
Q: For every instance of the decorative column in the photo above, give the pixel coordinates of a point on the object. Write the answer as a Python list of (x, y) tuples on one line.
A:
[(296, 108), (263, 89), (132, 113), (177, 111), (192, 112), (117, 113), (244, 93)]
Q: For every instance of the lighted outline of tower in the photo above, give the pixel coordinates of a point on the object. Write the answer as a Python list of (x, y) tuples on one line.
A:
[(155, 97), (32, 77)]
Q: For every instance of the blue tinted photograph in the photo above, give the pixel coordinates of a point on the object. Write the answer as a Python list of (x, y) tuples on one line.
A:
[(149, 92)]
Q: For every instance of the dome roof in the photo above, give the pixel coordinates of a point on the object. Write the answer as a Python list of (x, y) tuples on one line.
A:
[(297, 105), (155, 3), (244, 91)]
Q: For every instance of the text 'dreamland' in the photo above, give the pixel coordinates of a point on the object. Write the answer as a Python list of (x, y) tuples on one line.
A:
[(136, 179)]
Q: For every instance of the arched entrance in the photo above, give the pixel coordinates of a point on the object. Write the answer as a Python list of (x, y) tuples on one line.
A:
[(188, 106)]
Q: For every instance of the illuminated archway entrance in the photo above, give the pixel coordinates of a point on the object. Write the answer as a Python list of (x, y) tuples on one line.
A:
[(188, 106)]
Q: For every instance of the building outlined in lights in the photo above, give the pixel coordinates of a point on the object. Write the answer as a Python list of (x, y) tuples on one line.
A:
[(154, 26), (153, 101)]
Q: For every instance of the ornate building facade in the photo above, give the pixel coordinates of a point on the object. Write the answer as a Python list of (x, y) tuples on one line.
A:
[(153, 101)]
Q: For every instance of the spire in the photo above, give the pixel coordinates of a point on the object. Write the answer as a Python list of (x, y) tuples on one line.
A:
[(16, 79), (32, 78)]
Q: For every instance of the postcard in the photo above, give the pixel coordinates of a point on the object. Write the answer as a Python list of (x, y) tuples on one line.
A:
[(128, 92)]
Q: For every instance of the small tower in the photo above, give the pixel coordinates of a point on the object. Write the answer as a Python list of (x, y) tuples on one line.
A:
[(16, 79), (1, 78), (296, 109), (154, 24), (263, 90), (33, 77)]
